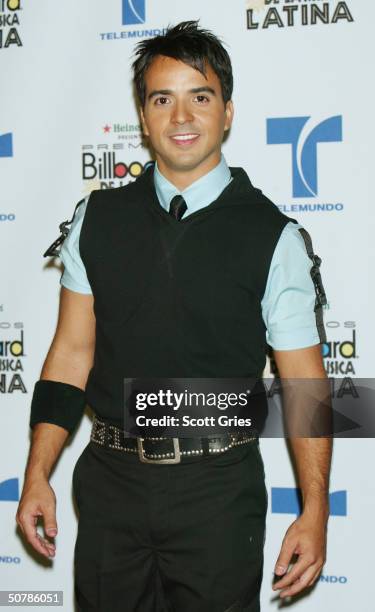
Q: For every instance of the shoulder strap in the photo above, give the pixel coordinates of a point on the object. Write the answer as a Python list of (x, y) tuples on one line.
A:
[(52, 250), (321, 298)]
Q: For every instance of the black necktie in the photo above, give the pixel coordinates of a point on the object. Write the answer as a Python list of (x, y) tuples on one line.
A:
[(177, 207)]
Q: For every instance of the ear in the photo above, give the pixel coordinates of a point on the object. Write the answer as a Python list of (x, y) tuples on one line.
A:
[(143, 121), (229, 112)]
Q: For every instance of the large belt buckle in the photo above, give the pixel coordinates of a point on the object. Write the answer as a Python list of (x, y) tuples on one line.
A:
[(175, 459)]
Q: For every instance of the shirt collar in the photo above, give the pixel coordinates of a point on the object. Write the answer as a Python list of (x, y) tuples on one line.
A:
[(200, 193)]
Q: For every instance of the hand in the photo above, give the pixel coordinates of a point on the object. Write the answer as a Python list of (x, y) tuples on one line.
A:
[(306, 537), (38, 499)]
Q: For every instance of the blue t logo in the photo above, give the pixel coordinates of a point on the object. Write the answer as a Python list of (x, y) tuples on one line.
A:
[(133, 12), (6, 145), (288, 130)]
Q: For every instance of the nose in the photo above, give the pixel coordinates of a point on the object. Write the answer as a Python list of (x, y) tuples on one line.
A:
[(181, 113)]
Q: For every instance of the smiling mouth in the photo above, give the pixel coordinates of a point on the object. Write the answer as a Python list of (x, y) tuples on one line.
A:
[(184, 139)]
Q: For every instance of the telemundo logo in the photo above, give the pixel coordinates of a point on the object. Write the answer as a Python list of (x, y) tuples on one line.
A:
[(133, 12), (9, 559), (295, 132), (9, 490), (287, 500), (333, 579), (6, 145)]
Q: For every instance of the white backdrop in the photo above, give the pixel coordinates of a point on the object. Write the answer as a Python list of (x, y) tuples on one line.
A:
[(66, 100)]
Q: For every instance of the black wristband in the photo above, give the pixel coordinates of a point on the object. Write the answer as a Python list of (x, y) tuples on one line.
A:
[(57, 403)]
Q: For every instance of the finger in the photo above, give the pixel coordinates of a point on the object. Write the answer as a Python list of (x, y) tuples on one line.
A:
[(315, 577), (19, 523), (29, 527), (300, 583), (48, 547), (50, 524), (298, 569), (283, 560)]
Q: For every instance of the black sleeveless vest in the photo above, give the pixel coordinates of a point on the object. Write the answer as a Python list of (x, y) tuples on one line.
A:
[(176, 298)]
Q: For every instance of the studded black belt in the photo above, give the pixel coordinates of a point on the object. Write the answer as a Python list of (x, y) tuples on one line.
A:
[(165, 450)]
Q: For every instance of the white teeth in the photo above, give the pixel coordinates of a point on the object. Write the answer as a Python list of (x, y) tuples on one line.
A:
[(185, 137)]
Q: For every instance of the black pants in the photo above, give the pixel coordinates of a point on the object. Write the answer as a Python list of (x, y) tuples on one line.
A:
[(160, 538)]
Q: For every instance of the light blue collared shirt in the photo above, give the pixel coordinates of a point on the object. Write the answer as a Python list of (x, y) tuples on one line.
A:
[(289, 299), (200, 193)]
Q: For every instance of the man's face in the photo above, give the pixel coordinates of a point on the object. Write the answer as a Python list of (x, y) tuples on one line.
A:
[(184, 116)]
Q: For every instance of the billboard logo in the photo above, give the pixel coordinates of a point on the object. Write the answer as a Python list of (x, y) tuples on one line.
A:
[(295, 132), (9, 23), (133, 12), (301, 13), (9, 490), (287, 500), (11, 5), (6, 145), (340, 352)]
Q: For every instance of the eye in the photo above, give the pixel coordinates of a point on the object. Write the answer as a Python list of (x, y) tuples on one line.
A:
[(201, 98), (161, 101)]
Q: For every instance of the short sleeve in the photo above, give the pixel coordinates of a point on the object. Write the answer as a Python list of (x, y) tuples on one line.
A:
[(289, 301), (74, 276)]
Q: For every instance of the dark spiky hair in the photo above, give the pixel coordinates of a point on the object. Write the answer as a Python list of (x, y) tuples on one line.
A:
[(188, 43)]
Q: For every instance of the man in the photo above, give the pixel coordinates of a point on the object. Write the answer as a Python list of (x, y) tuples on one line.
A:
[(184, 273)]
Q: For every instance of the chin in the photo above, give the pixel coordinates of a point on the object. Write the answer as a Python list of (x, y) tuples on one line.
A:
[(182, 162)]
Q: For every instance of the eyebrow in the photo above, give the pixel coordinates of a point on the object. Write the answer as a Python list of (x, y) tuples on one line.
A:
[(168, 92)]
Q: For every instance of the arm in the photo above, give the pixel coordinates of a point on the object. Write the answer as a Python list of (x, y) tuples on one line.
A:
[(69, 360), (306, 537)]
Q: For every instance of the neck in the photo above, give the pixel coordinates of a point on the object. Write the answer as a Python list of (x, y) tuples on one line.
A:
[(181, 179)]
